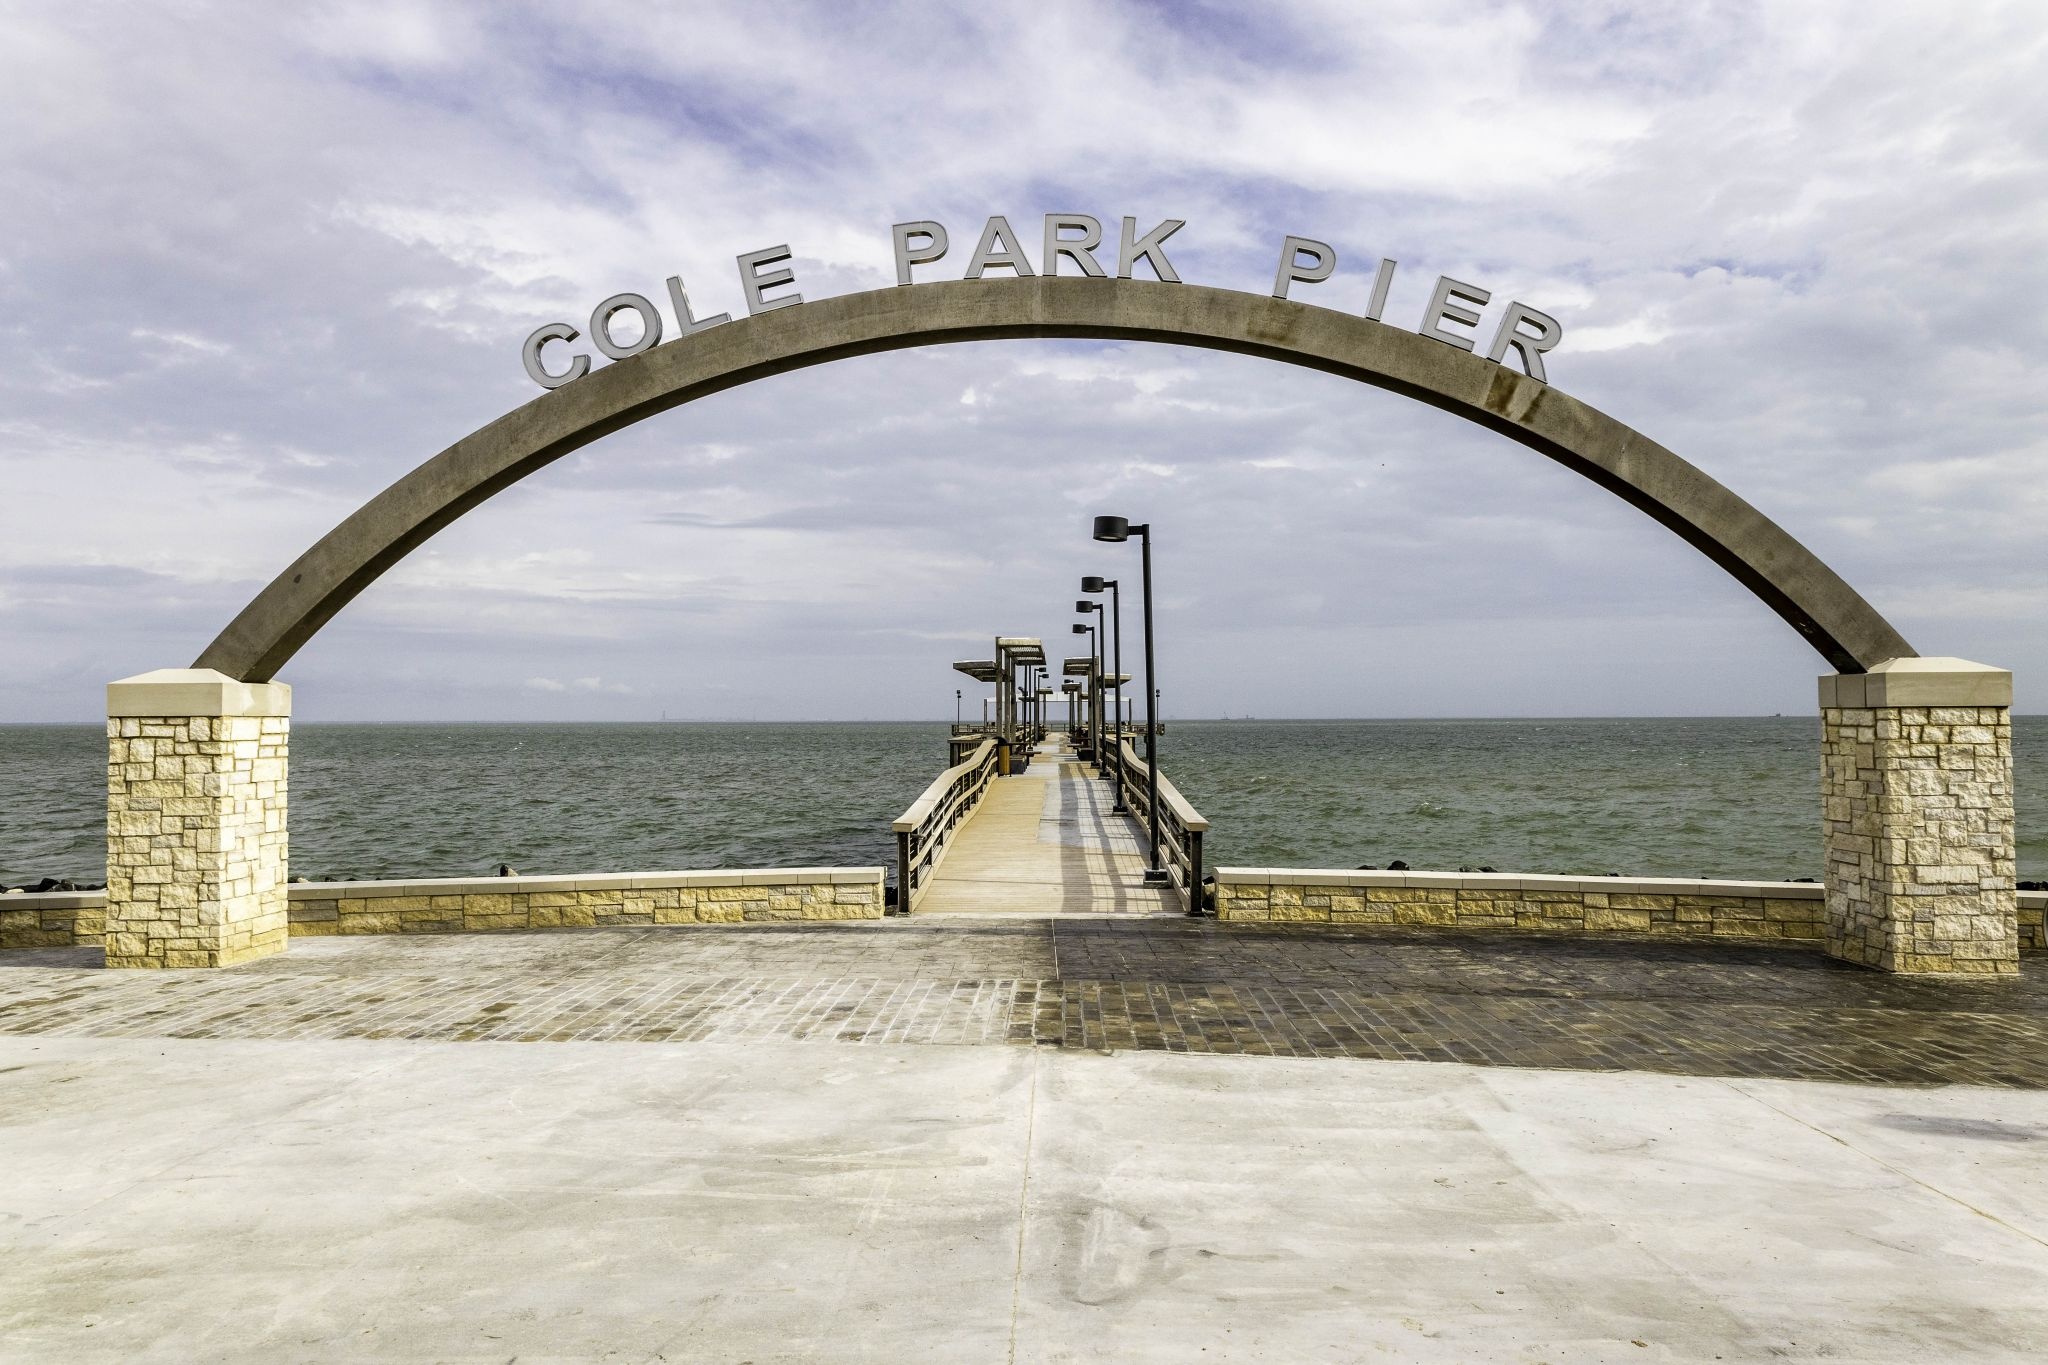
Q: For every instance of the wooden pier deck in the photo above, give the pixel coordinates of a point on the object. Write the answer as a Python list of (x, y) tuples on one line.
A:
[(1045, 842)]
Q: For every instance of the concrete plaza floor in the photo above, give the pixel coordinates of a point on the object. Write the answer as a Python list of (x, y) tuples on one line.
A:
[(874, 1143)]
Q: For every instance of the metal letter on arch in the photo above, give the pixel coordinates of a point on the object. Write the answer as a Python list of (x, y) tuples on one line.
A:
[(1761, 556)]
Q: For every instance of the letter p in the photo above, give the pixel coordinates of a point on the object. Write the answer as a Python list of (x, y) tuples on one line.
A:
[(1324, 260), (930, 245)]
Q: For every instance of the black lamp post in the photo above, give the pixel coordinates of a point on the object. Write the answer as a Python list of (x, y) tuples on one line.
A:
[(1116, 530), (1093, 584), (1116, 736), (1094, 694)]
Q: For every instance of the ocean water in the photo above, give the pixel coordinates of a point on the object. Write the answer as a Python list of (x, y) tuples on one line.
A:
[(1671, 797)]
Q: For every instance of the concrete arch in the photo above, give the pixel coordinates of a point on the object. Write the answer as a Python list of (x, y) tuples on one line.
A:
[(1786, 576)]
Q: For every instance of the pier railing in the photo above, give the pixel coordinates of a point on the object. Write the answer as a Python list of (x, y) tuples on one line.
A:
[(1181, 826), (925, 831)]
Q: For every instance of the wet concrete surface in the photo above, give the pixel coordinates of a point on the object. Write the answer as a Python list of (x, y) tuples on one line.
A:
[(766, 1201)]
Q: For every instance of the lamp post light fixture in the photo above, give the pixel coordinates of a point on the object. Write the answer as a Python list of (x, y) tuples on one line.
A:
[(1115, 531), (1093, 584)]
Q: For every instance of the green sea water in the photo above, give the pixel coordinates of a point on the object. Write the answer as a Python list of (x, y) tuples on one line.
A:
[(1731, 797)]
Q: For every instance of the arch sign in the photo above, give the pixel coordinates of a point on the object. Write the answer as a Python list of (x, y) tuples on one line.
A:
[(1071, 293), (1074, 237)]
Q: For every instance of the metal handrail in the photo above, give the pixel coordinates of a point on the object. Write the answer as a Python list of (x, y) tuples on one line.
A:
[(925, 830), (1181, 826)]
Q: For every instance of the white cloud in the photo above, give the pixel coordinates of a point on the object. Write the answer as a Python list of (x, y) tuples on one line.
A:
[(1617, 336), (589, 684)]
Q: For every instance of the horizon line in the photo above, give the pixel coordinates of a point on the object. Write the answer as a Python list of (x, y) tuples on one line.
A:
[(874, 720)]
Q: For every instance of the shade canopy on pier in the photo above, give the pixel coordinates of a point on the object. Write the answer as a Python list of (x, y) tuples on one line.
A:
[(981, 670), (1022, 649), (1078, 668)]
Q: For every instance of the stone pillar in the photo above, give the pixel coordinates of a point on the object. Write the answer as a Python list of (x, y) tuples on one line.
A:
[(1916, 792), (196, 841)]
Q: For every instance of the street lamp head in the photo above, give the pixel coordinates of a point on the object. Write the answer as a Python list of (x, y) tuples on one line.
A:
[(1113, 529), (1093, 584), (1080, 629), (1086, 606)]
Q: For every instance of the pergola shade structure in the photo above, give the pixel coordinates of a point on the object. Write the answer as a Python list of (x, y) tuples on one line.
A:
[(1022, 649)]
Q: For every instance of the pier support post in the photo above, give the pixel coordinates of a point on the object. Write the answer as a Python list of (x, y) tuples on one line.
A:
[(196, 836), (1916, 788)]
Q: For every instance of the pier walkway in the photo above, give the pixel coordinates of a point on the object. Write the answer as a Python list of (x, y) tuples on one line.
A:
[(1047, 842)]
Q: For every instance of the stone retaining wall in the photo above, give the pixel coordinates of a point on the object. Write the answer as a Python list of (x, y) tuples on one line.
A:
[(1774, 912), (1768, 911), (52, 919), (467, 904), (418, 907)]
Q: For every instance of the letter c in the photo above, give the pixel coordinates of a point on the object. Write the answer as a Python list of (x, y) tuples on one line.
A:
[(530, 355)]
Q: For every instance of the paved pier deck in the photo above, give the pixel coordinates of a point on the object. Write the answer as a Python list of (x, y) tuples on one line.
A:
[(1089, 983), (1046, 842)]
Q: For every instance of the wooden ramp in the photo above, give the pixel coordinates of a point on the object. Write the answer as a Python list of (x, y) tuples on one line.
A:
[(1045, 842)]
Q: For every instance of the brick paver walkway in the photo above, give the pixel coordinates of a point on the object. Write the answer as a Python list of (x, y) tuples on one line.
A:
[(1154, 983)]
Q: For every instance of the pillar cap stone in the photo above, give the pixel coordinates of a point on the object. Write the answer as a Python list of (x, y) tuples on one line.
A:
[(195, 692), (1935, 681)]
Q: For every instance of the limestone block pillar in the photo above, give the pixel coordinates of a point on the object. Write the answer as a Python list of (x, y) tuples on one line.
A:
[(1916, 790), (196, 838)]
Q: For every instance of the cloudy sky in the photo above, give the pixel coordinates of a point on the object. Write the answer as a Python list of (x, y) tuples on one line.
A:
[(257, 261)]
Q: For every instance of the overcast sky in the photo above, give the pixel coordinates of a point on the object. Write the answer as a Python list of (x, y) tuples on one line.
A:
[(257, 261)]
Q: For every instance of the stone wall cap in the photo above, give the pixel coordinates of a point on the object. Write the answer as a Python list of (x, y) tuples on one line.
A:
[(588, 881), (53, 900), (195, 692), (1517, 881), (1936, 680), (1936, 663)]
